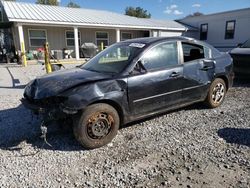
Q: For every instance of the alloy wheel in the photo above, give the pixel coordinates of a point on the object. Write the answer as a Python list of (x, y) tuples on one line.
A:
[(218, 93)]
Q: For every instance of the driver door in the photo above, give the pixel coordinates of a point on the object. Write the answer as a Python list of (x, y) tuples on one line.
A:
[(160, 85)]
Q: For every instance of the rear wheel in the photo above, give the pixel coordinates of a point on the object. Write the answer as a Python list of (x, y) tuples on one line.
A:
[(97, 126), (216, 93)]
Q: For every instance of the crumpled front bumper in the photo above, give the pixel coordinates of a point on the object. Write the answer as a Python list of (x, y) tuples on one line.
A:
[(55, 112), (35, 108), (48, 114)]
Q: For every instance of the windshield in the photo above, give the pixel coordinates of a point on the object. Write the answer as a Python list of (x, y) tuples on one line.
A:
[(114, 59), (246, 44)]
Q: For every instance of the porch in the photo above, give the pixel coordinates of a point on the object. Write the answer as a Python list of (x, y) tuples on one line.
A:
[(66, 42)]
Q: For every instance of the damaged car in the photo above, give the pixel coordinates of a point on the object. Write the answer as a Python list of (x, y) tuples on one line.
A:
[(241, 60), (129, 81)]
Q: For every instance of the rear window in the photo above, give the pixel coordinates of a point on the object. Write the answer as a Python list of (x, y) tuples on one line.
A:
[(192, 52)]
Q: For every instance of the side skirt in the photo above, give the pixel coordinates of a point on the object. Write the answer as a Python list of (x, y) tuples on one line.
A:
[(140, 117)]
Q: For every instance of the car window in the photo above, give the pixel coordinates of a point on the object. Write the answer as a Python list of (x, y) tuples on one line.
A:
[(113, 59), (192, 52), (116, 55), (161, 56), (207, 52)]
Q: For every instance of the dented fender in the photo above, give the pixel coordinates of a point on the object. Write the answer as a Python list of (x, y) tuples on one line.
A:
[(81, 96)]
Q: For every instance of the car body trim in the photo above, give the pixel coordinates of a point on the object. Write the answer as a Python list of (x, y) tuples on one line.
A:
[(168, 93)]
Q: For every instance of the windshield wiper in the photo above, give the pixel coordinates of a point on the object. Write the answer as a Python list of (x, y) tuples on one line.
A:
[(92, 70)]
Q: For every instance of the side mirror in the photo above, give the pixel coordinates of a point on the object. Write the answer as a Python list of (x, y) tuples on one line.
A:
[(239, 45), (139, 68)]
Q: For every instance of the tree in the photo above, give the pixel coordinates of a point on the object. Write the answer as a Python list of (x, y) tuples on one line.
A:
[(194, 14), (73, 5), (48, 2), (137, 12)]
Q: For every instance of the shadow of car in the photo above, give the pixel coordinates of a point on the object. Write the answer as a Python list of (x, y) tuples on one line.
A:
[(17, 125), (235, 136)]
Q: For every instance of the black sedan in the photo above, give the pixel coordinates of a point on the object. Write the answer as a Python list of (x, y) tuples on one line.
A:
[(129, 81), (241, 60)]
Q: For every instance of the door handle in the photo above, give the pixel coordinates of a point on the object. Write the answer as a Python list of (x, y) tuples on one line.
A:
[(174, 74), (209, 61), (205, 68)]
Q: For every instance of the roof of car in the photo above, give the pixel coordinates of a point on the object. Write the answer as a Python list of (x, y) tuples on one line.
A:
[(152, 40), (149, 40)]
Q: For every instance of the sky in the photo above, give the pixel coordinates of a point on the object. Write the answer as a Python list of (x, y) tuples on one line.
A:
[(163, 9)]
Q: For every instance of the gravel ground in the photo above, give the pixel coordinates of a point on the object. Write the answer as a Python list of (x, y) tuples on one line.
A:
[(190, 147)]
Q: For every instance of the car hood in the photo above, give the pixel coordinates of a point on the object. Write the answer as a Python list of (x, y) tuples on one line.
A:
[(57, 82), (241, 51)]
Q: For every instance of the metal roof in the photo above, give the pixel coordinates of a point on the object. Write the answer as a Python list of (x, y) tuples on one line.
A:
[(29, 13), (189, 27)]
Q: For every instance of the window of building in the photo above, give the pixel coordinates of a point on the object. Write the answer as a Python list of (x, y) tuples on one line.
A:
[(161, 56), (230, 28), (37, 37), (126, 36), (203, 31), (193, 52), (102, 37), (70, 38)]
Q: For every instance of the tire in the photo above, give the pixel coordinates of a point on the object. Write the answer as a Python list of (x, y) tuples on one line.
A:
[(216, 93), (96, 126)]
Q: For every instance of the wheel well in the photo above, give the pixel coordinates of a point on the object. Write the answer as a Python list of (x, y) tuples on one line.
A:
[(116, 106), (225, 80)]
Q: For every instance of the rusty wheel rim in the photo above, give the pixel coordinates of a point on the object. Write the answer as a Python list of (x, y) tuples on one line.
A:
[(99, 125)]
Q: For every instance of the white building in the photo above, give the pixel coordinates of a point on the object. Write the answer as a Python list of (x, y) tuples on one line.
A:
[(32, 25), (223, 30)]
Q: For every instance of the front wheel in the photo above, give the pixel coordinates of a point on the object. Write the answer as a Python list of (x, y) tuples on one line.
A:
[(216, 93), (96, 126)]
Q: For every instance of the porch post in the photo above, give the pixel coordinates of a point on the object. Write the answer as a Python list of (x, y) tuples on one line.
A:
[(150, 33), (118, 39), (22, 44), (118, 35), (76, 43), (21, 37)]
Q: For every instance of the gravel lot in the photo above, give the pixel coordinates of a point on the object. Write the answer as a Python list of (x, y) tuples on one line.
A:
[(190, 147)]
